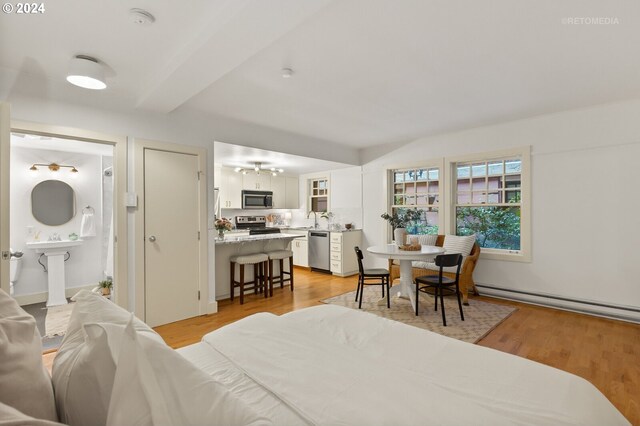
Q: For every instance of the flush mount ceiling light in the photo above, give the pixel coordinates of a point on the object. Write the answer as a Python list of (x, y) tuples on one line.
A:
[(141, 17), (287, 72), (257, 168), (86, 72)]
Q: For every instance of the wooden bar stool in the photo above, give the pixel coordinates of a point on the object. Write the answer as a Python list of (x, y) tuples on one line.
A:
[(259, 262), (280, 256)]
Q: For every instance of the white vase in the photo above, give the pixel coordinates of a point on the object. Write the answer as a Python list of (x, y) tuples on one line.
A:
[(399, 235)]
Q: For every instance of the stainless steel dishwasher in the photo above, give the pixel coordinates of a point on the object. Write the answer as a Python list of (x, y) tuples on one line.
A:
[(319, 250)]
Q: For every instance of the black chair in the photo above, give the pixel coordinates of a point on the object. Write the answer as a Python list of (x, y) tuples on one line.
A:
[(440, 282), (381, 275)]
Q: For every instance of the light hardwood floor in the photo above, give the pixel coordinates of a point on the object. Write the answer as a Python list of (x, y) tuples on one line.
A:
[(604, 352)]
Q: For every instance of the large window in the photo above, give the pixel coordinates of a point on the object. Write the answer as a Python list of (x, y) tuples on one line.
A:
[(417, 188), (485, 194), (488, 197)]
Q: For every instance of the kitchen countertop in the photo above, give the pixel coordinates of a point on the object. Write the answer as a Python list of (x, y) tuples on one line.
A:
[(229, 239), (306, 228)]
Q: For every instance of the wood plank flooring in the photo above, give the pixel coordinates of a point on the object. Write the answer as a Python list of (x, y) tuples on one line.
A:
[(604, 352)]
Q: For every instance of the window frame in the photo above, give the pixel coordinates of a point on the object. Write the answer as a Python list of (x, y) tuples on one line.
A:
[(311, 196), (442, 185), (524, 153)]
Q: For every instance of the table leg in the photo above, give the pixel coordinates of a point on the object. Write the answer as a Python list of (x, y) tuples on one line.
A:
[(406, 289)]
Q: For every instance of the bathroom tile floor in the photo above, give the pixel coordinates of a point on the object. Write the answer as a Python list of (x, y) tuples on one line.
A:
[(39, 312)]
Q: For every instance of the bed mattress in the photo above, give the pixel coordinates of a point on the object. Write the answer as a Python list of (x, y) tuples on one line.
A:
[(333, 365)]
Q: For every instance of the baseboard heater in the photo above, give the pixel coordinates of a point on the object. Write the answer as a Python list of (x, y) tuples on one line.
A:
[(620, 312)]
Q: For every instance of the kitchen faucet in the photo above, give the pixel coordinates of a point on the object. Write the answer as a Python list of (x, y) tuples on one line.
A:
[(315, 218)]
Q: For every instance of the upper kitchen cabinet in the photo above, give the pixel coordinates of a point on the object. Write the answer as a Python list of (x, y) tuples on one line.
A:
[(255, 182), (293, 193), (279, 188), (285, 192), (230, 189)]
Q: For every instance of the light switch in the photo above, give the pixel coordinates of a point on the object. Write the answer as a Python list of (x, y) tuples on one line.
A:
[(131, 200)]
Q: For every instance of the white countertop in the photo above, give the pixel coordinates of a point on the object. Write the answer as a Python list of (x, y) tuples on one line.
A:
[(230, 239)]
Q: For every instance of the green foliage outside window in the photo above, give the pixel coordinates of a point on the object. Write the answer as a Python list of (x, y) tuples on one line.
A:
[(495, 227)]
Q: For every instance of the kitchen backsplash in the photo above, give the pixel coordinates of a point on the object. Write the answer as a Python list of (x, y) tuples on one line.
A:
[(299, 217)]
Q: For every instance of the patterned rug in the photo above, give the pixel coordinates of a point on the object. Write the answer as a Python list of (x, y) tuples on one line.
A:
[(479, 317), (57, 320)]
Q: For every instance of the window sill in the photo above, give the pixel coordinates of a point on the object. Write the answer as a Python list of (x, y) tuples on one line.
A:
[(492, 254)]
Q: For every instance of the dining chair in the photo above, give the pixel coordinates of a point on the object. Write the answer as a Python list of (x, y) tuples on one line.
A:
[(380, 275), (440, 282)]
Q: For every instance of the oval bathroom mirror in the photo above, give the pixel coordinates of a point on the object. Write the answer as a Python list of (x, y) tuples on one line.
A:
[(53, 202)]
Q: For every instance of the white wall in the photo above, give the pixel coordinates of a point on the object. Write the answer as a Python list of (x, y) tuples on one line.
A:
[(85, 265), (345, 197), (585, 221)]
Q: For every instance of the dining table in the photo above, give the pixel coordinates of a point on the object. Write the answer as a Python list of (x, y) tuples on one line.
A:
[(406, 289)]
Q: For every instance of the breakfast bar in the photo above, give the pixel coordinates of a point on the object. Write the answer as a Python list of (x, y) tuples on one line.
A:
[(245, 244)]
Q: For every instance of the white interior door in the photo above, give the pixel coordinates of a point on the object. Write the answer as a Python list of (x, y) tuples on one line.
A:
[(5, 133), (171, 218)]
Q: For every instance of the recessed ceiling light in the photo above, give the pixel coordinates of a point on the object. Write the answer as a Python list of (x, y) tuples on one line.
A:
[(287, 72), (86, 72), (141, 17)]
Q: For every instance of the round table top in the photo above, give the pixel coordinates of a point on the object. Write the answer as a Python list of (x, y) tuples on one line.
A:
[(391, 251)]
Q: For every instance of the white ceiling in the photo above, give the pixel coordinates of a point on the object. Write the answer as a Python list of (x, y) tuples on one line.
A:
[(293, 165), (366, 72)]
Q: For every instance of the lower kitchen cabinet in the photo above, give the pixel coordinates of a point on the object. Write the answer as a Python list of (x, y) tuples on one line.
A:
[(300, 248), (343, 256)]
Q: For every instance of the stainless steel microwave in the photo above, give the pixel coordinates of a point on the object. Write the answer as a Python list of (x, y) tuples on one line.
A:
[(257, 199)]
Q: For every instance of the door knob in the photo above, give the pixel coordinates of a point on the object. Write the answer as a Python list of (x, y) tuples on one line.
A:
[(152, 239)]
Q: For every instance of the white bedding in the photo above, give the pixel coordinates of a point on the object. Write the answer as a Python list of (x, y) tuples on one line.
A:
[(333, 365)]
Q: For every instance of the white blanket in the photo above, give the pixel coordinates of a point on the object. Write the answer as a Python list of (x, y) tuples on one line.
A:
[(337, 366)]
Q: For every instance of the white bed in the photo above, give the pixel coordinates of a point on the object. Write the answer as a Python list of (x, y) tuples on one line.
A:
[(329, 365)]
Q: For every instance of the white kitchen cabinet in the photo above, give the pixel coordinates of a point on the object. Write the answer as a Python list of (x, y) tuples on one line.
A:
[(230, 189), (343, 258), (300, 248), (292, 193), (254, 182), (279, 188)]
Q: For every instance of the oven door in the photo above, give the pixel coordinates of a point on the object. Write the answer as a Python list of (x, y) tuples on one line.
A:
[(257, 199)]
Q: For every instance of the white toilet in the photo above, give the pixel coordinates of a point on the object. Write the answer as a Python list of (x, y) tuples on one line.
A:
[(14, 271)]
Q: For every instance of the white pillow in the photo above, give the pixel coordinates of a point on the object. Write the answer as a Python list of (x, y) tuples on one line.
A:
[(9, 416), (83, 370), (424, 239), (25, 384), (154, 385), (456, 244)]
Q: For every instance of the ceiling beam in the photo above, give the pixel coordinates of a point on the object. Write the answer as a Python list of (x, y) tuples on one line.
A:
[(238, 30)]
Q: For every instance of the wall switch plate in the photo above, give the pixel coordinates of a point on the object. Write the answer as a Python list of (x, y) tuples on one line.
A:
[(131, 199)]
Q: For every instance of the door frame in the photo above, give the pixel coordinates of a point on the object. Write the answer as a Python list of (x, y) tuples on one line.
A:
[(139, 146), (119, 143)]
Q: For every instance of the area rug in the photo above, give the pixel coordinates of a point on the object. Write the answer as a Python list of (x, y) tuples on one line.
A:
[(57, 320), (479, 317)]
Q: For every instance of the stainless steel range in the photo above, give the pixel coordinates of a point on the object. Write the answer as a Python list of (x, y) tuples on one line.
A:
[(255, 224)]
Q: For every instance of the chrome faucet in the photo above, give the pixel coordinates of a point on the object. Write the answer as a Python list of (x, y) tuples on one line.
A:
[(315, 218)]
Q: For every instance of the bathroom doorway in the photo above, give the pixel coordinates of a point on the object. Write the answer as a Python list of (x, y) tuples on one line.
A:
[(92, 169)]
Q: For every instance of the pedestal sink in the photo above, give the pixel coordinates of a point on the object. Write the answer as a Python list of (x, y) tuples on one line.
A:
[(55, 252)]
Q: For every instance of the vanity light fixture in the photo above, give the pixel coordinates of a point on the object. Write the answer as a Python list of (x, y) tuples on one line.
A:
[(86, 72), (53, 167), (257, 168)]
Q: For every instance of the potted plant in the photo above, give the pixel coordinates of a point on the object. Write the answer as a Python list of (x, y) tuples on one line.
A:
[(106, 286), (399, 221), (222, 225)]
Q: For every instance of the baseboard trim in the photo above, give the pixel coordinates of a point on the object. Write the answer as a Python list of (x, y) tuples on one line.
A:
[(590, 307), (212, 307), (30, 299)]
